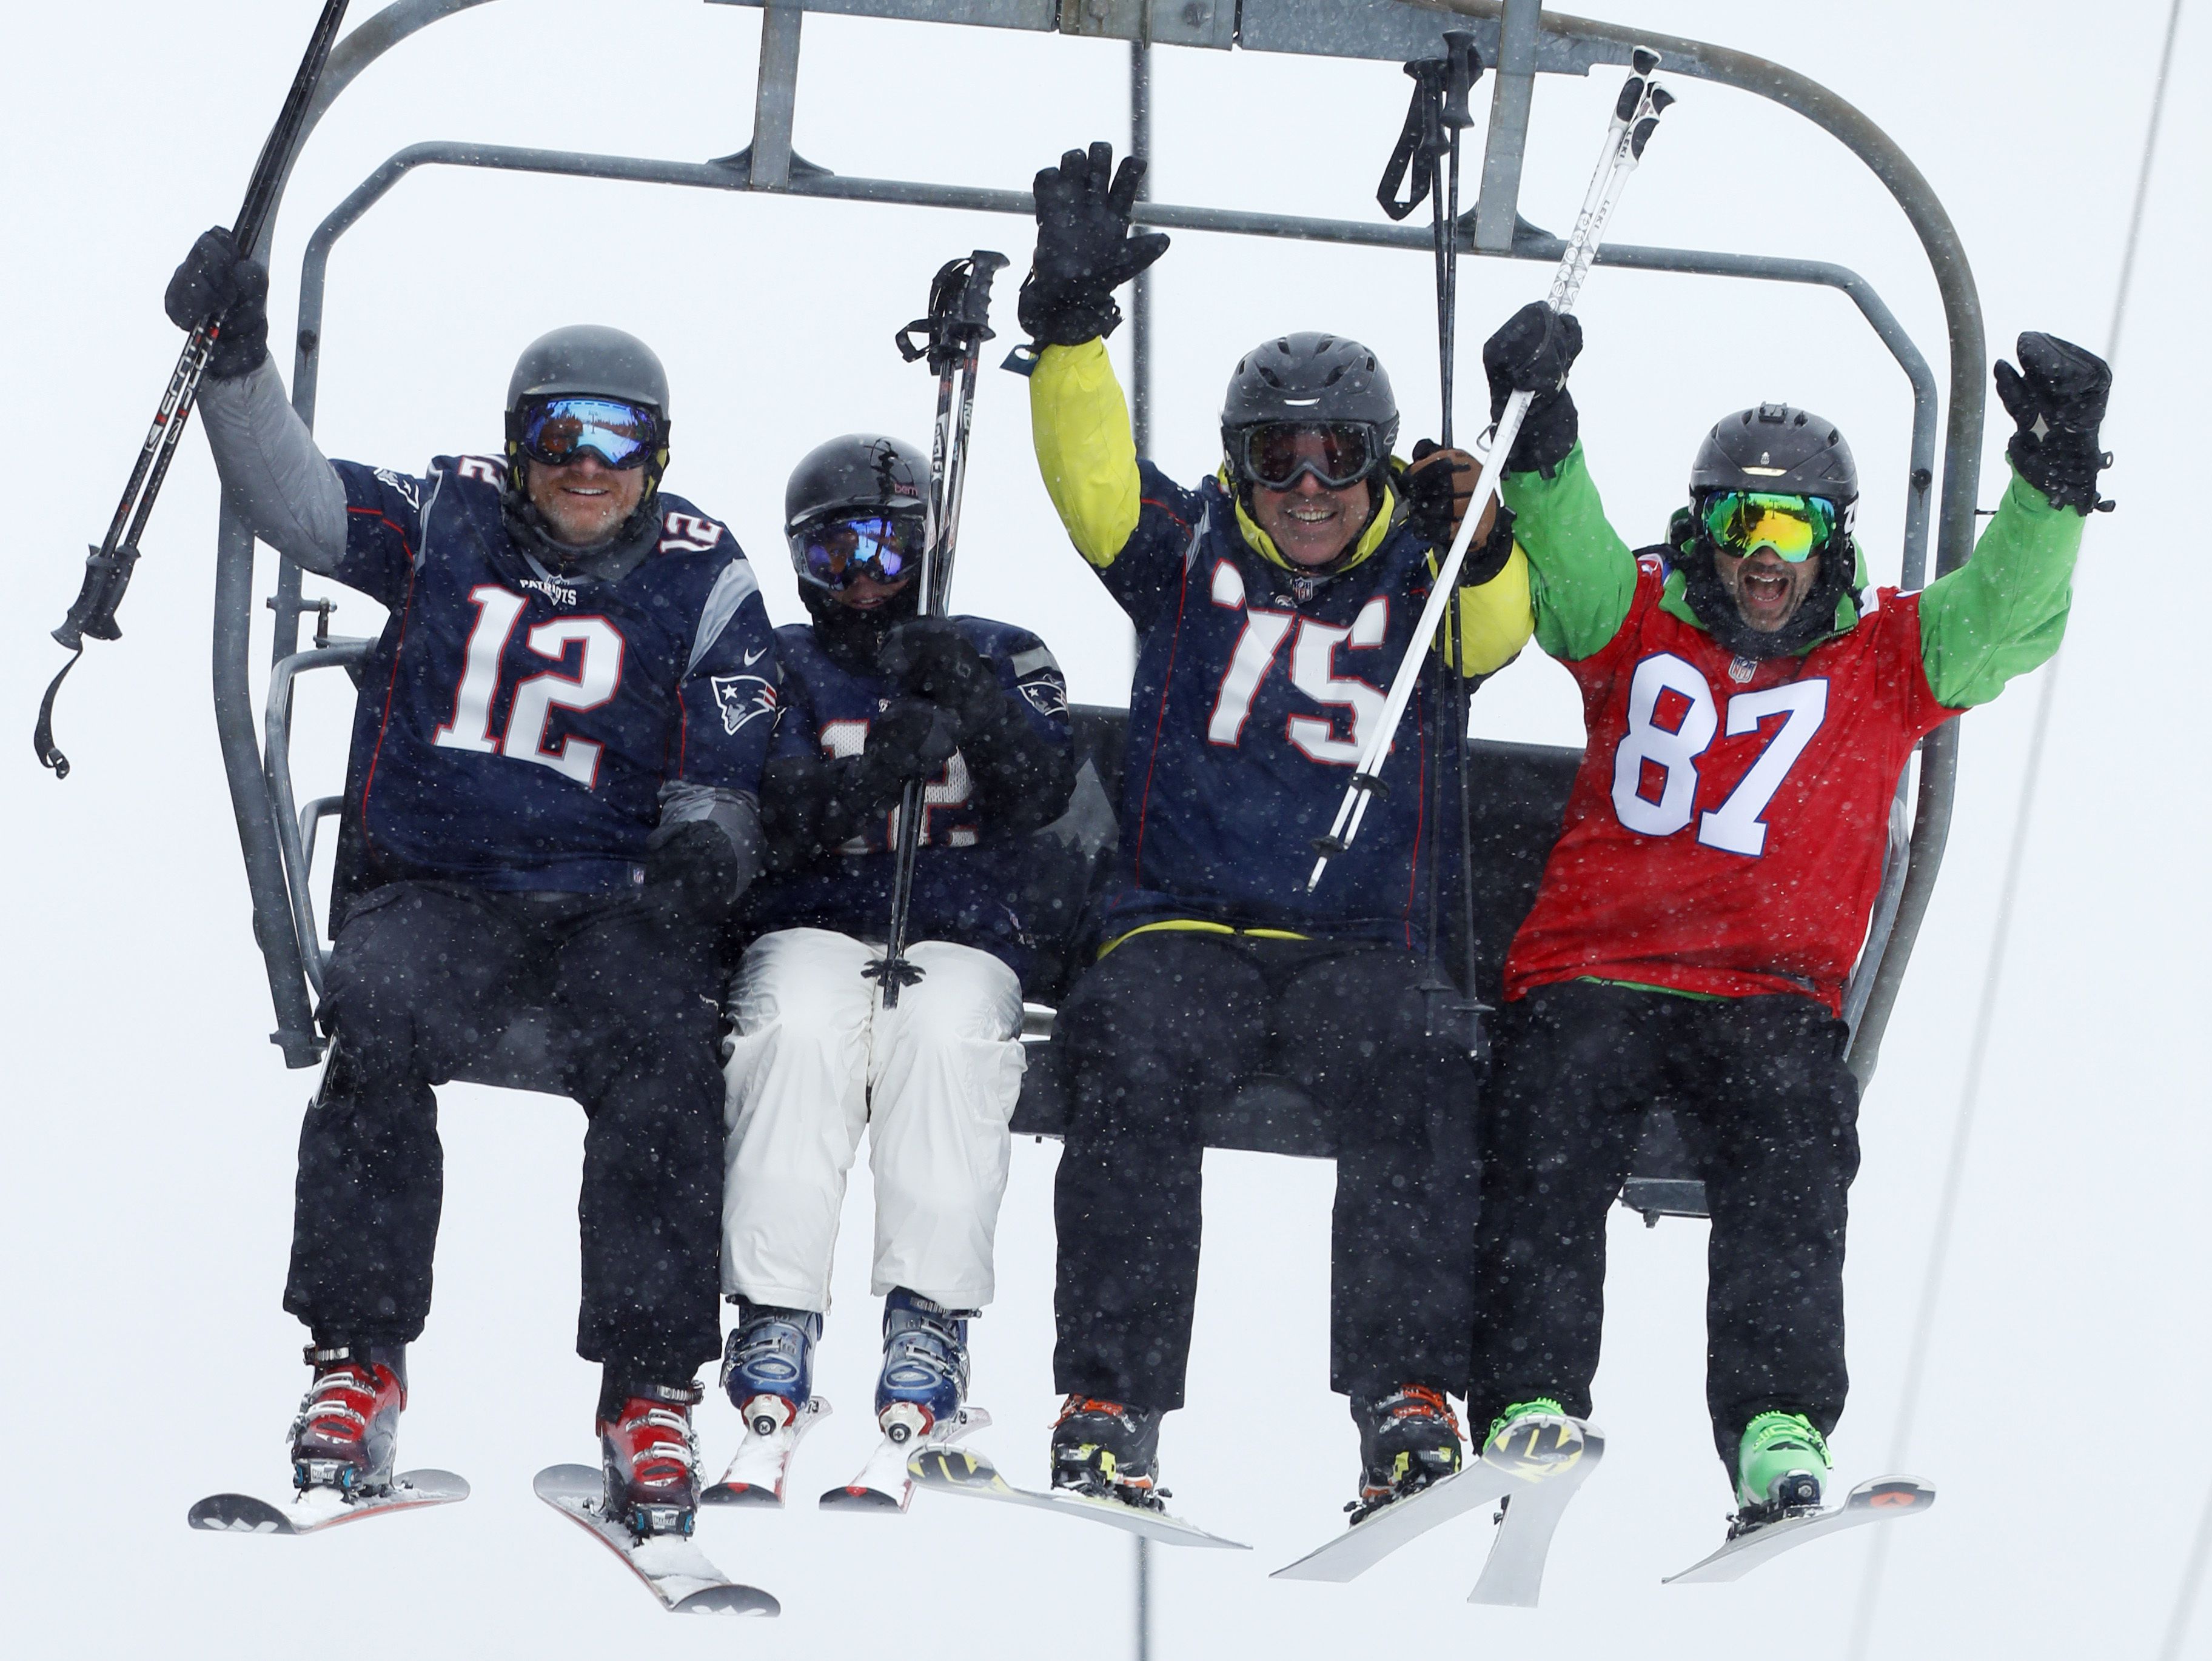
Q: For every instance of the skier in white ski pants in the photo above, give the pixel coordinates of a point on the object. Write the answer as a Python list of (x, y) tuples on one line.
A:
[(876, 699), (816, 1060)]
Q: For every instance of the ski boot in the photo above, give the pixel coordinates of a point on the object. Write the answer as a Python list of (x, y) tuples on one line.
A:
[(1107, 1451), (650, 1460), (1407, 1439), (924, 1376), (1534, 1439), (347, 1434), (1782, 1466), (768, 1367)]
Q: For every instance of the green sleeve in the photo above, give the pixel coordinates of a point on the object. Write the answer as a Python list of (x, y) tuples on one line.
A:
[(2003, 612), (1582, 575)]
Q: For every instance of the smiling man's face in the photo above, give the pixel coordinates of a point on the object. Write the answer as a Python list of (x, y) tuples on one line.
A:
[(584, 502), (1767, 589)]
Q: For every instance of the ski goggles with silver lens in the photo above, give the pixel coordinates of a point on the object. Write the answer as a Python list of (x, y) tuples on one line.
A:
[(1338, 453), (886, 547), (558, 431), (1741, 522)]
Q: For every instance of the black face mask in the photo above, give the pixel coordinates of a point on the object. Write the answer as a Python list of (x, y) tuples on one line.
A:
[(854, 639), (1813, 620)]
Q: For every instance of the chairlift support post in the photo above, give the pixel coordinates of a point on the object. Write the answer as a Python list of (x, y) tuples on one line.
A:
[(1516, 39)]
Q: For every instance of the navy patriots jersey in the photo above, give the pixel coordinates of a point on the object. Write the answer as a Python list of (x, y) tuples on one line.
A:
[(1254, 693), (516, 726), (968, 876)]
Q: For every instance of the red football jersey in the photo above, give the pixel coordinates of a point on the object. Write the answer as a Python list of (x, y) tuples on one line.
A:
[(1725, 833)]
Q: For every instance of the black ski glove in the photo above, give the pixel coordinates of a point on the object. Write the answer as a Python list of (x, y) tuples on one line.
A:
[(812, 807), (693, 877), (214, 284), (2056, 398), (1533, 352), (1083, 248), (912, 739), (1437, 487), (931, 658)]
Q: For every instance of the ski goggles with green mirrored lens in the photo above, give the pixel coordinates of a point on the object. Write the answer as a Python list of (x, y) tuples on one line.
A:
[(559, 430), (886, 547), (1741, 522), (1338, 453)]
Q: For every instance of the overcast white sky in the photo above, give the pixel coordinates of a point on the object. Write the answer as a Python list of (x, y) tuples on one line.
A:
[(145, 1191)]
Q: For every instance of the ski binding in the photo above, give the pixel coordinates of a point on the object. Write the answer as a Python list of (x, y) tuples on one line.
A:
[(1877, 1499), (673, 1569), (762, 1464), (963, 1470), (883, 1483), (314, 1509)]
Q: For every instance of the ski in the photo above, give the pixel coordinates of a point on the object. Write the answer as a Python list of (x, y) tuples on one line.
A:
[(315, 1509), (673, 1568), (1538, 1481), (1877, 1499), (962, 1470), (762, 1464), (885, 1483), (1513, 1574)]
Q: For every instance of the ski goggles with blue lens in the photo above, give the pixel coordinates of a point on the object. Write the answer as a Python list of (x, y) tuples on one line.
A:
[(1338, 453), (1742, 522), (558, 431), (885, 548)]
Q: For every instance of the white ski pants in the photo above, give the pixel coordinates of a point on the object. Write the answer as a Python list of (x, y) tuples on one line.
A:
[(815, 1060)]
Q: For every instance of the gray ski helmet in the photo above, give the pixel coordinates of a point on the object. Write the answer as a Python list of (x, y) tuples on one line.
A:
[(586, 358), (1776, 447), (859, 470), (1309, 377)]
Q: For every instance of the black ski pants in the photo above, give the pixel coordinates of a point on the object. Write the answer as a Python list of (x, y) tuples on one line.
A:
[(424, 979), (1169, 1022), (1770, 1114)]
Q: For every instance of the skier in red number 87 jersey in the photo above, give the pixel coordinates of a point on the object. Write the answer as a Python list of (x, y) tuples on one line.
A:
[(1751, 704), (552, 799)]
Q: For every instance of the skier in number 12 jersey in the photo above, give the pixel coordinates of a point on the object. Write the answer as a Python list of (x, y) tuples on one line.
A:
[(551, 798), (1751, 704), (876, 695)]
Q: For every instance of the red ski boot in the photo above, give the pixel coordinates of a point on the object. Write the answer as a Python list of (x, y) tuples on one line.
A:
[(652, 1462), (348, 1432)]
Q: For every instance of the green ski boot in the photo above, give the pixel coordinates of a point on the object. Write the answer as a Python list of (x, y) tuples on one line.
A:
[(1534, 1439), (1782, 1464)]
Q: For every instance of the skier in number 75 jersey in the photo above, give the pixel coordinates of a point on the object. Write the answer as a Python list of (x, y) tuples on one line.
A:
[(1271, 605), (551, 800), (1751, 704)]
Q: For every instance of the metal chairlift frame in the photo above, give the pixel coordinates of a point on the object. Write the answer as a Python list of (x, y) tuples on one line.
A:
[(1518, 41)]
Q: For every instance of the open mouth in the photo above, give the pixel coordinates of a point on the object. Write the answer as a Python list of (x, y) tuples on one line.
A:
[(1764, 590)]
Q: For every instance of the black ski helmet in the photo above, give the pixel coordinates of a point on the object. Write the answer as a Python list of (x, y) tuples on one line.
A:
[(586, 360), (1775, 447), (855, 473), (1785, 450), (1309, 377)]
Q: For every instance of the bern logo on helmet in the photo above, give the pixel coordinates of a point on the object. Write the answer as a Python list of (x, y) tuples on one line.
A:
[(742, 698)]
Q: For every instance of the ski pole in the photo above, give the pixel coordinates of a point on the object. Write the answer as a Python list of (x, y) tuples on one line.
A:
[(953, 335), (108, 566), (1635, 118)]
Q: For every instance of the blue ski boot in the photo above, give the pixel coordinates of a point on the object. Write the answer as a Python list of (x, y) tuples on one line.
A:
[(925, 1377), (768, 1367)]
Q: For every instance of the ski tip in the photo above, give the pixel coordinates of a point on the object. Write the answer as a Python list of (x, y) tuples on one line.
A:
[(1892, 1494), (1644, 60), (559, 1483), (728, 1600), (435, 1485), (742, 1494), (239, 1513), (857, 1496)]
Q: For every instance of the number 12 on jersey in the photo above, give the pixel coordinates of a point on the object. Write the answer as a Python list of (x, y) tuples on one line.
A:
[(1672, 751)]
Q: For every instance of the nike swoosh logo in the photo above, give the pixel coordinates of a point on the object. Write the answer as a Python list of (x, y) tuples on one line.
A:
[(752, 658)]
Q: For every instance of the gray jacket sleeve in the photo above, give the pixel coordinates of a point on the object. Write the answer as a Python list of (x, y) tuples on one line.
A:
[(276, 478)]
